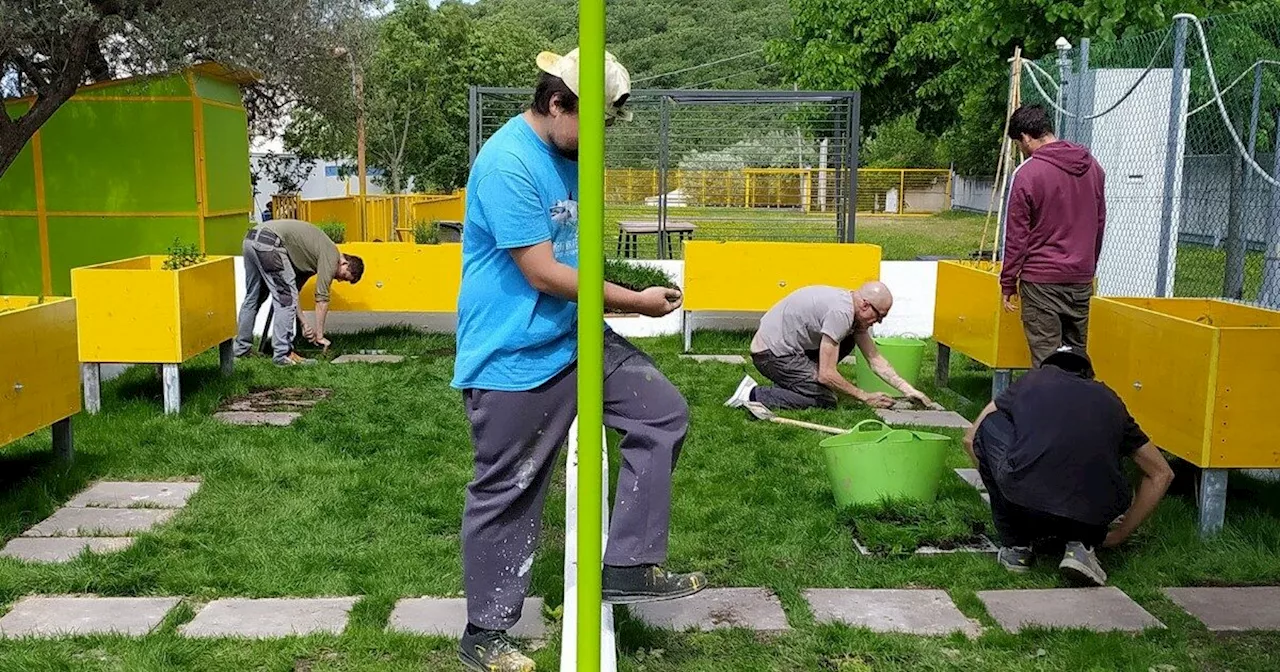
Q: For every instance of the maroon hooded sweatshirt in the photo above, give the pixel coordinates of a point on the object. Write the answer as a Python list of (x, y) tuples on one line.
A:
[(1056, 214)]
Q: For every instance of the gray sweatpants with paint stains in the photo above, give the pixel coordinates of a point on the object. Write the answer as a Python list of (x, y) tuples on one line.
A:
[(517, 438)]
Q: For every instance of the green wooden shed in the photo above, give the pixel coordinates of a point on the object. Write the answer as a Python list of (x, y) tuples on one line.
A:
[(122, 169)]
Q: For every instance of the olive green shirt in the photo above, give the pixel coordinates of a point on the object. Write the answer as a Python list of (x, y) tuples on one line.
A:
[(309, 249)]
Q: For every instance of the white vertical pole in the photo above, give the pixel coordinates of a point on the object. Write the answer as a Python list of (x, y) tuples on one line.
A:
[(608, 642)]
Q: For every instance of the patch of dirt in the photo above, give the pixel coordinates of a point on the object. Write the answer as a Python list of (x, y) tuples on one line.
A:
[(282, 399)]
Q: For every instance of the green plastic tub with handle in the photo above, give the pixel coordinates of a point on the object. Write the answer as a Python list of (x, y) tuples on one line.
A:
[(905, 354), (873, 462)]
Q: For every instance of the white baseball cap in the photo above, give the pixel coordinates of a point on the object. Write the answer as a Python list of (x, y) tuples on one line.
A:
[(617, 81)]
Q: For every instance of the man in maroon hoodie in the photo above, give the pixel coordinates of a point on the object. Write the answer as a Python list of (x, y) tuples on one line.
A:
[(1053, 234)]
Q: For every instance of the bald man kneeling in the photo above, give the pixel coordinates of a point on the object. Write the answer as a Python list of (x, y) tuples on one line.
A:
[(804, 336)]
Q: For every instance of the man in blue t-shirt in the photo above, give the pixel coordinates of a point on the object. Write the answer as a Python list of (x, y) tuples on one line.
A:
[(516, 368)]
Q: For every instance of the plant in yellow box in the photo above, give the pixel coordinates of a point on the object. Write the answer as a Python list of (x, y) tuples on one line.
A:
[(143, 311)]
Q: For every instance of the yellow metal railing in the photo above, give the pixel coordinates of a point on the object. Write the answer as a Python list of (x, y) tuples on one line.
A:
[(387, 217)]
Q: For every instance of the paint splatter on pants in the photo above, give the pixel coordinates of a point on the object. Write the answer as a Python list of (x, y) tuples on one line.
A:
[(517, 438)]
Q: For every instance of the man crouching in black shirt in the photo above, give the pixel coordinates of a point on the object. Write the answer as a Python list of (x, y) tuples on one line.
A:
[(1049, 450)]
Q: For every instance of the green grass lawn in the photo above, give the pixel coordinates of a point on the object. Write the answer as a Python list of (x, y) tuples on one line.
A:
[(363, 496)]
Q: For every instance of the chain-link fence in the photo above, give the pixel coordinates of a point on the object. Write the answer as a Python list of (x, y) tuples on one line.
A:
[(728, 165), (1185, 122)]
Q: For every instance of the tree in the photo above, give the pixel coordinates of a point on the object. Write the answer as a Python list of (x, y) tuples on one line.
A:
[(948, 58), (417, 78), (49, 49)]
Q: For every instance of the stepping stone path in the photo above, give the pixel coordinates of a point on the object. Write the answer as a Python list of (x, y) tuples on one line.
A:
[(37, 616), (916, 612), (1098, 609), (273, 408), (100, 519), (914, 418), (972, 477), (272, 617), (716, 609), (1231, 609), (368, 359), (722, 359), (447, 617)]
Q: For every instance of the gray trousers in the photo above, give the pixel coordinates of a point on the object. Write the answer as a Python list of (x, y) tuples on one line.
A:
[(517, 438), (268, 270), (796, 378), (1054, 316)]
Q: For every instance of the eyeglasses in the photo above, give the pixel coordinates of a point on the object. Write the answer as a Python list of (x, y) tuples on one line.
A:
[(879, 315)]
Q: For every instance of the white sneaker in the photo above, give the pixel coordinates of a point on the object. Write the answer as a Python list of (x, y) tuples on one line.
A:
[(743, 394)]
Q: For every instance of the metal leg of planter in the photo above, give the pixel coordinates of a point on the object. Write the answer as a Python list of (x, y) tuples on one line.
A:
[(91, 381), (172, 390), (1213, 501), (227, 357), (63, 446), (687, 322), (1000, 379), (942, 372)]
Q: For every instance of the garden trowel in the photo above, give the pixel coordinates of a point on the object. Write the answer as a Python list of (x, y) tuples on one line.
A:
[(759, 412)]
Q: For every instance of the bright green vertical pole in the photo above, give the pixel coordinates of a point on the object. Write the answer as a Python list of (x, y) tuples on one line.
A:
[(590, 325)]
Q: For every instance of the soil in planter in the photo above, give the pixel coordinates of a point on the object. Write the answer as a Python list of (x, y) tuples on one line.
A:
[(897, 527), (284, 399)]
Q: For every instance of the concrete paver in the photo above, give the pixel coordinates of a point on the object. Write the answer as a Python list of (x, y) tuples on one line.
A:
[(58, 616), (61, 549), (1231, 609), (715, 609), (917, 612), (95, 522), (130, 494), (447, 617), (1098, 609), (270, 617)]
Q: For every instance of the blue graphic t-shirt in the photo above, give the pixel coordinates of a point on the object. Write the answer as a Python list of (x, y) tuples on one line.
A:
[(511, 337)]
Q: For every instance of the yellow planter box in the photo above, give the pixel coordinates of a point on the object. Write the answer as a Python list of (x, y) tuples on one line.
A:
[(968, 316), (1197, 375), (39, 371), (398, 277), (751, 277), (134, 311)]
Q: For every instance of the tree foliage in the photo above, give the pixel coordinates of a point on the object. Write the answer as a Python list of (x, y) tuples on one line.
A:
[(948, 58), (48, 49)]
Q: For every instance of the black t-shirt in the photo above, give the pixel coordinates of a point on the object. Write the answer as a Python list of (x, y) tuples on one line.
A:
[(1070, 435)]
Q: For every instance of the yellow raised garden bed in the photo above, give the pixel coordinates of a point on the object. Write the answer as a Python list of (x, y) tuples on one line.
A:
[(134, 311), (39, 385), (752, 277), (398, 277), (968, 316), (1197, 374)]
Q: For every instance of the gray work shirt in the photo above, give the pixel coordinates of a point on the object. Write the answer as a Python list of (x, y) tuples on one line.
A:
[(798, 322)]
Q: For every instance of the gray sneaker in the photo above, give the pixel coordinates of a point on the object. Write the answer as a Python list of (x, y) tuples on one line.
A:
[(1080, 566), (743, 394), (1016, 559)]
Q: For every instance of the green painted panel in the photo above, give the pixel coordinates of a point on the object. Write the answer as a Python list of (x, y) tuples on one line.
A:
[(19, 256), (16, 108), (220, 90), (18, 183), (83, 241), (132, 157), (170, 85), (226, 149), (225, 235)]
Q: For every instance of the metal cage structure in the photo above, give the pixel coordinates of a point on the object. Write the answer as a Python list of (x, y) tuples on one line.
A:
[(716, 165)]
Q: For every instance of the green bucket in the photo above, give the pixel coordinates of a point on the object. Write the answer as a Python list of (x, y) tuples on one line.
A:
[(905, 354), (871, 463)]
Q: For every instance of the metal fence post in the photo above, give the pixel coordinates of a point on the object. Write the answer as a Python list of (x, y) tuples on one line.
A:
[(473, 130), (1164, 284), (1082, 73), (1062, 122), (664, 133), (852, 133), (1270, 293), (1237, 239)]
